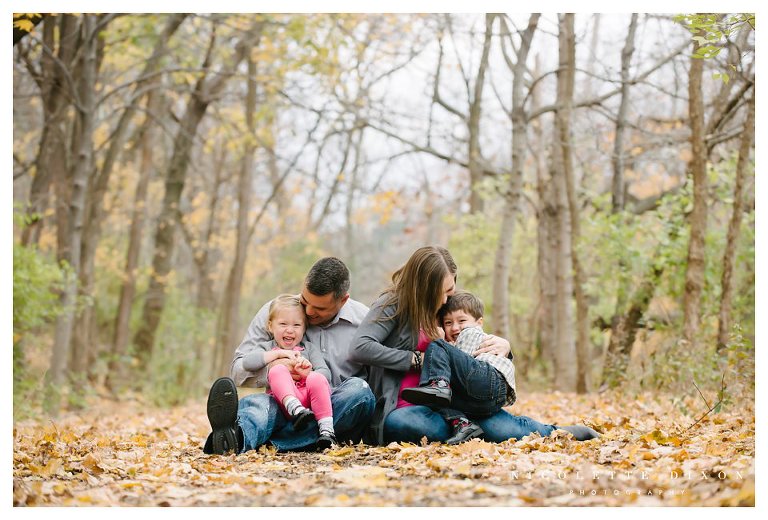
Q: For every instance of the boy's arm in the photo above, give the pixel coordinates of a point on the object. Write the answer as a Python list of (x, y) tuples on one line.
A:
[(469, 340)]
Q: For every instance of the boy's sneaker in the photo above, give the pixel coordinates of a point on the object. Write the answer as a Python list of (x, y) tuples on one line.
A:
[(580, 432), (463, 430), (302, 418), (325, 441), (436, 393), (222, 414)]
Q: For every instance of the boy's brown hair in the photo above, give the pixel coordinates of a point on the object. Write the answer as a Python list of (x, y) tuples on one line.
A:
[(462, 301)]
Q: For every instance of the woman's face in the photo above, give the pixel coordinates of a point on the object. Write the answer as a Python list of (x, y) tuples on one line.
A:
[(449, 287)]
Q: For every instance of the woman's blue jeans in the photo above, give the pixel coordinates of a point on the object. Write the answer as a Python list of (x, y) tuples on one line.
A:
[(411, 423), (260, 418)]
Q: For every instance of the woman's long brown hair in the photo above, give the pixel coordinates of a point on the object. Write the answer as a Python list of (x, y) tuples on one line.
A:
[(417, 289)]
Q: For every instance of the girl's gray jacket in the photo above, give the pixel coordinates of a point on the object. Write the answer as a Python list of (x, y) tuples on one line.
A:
[(386, 345)]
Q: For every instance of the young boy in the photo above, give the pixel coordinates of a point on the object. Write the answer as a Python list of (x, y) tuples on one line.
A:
[(453, 380)]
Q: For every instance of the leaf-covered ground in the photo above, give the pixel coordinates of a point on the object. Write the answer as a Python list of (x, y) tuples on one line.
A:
[(648, 455)]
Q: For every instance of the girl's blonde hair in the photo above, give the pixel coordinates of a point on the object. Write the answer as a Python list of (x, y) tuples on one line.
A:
[(417, 289), (284, 301)]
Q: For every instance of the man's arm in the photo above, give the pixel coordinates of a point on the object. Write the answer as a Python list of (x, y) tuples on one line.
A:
[(315, 356)]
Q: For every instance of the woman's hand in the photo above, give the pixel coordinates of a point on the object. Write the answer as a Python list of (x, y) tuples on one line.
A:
[(493, 345)]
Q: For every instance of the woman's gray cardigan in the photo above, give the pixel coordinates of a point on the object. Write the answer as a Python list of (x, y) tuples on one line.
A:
[(387, 348)]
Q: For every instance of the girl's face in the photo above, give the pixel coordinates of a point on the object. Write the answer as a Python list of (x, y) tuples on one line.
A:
[(287, 327), (449, 287)]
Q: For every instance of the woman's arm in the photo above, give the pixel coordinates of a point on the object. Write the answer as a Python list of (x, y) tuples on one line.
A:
[(368, 344)]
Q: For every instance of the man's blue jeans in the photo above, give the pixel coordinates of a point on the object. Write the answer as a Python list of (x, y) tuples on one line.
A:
[(411, 423), (478, 389), (262, 421)]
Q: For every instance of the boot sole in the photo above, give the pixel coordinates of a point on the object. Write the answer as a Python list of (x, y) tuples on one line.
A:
[(414, 396), (222, 414)]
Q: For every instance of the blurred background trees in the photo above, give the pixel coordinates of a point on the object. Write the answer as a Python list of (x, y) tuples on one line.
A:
[(592, 175)]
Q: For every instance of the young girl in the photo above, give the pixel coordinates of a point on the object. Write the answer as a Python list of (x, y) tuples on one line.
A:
[(298, 375)]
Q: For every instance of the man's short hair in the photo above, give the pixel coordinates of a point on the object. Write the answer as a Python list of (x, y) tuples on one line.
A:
[(462, 301), (328, 275)]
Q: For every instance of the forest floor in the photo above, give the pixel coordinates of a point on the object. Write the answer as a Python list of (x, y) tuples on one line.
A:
[(650, 453)]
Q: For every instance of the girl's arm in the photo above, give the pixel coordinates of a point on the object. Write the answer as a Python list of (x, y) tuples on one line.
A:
[(250, 365)]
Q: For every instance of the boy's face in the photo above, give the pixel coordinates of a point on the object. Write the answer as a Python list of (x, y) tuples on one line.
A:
[(456, 321)]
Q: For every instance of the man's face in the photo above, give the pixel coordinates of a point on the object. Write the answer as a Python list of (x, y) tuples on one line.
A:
[(321, 310), (456, 321)]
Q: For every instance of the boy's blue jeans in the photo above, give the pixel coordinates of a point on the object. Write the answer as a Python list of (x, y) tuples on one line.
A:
[(260, 418), (478, 389)]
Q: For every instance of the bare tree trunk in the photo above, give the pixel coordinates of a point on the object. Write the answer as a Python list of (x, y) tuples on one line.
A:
[(230, 309), (117, 365), (694, 274), (83, 352), (579, 278), (204, 92), (618, 158), (472, 118), (82, 167), (473, 123), (206, 296), (501, 271), (619, 320), (349, 229), (545, 320), (592, 61), (566, 371), (734, 226), (51, 163), (166, 227)]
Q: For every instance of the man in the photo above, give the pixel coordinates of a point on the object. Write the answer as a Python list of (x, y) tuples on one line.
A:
[(332, 318)]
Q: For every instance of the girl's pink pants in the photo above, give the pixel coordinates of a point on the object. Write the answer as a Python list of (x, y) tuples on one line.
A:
[(314, 392)]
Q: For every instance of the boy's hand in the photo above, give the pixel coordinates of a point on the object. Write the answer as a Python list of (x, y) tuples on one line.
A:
[(493, 345)]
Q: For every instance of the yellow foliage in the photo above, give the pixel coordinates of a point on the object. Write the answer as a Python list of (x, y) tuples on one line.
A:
[(384, 203)]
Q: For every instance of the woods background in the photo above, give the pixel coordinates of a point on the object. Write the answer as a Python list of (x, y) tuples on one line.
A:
[(592, 175)]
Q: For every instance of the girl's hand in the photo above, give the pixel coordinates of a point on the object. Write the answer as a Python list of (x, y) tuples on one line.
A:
[(301, 369), (289, 354)]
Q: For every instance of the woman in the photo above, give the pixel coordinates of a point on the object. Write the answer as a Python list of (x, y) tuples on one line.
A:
[(391, 340)]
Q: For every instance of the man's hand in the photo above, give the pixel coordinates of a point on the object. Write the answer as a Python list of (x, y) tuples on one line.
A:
[(493, 345)]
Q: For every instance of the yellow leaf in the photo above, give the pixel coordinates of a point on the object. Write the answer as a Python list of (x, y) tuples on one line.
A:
[(24, 25)]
